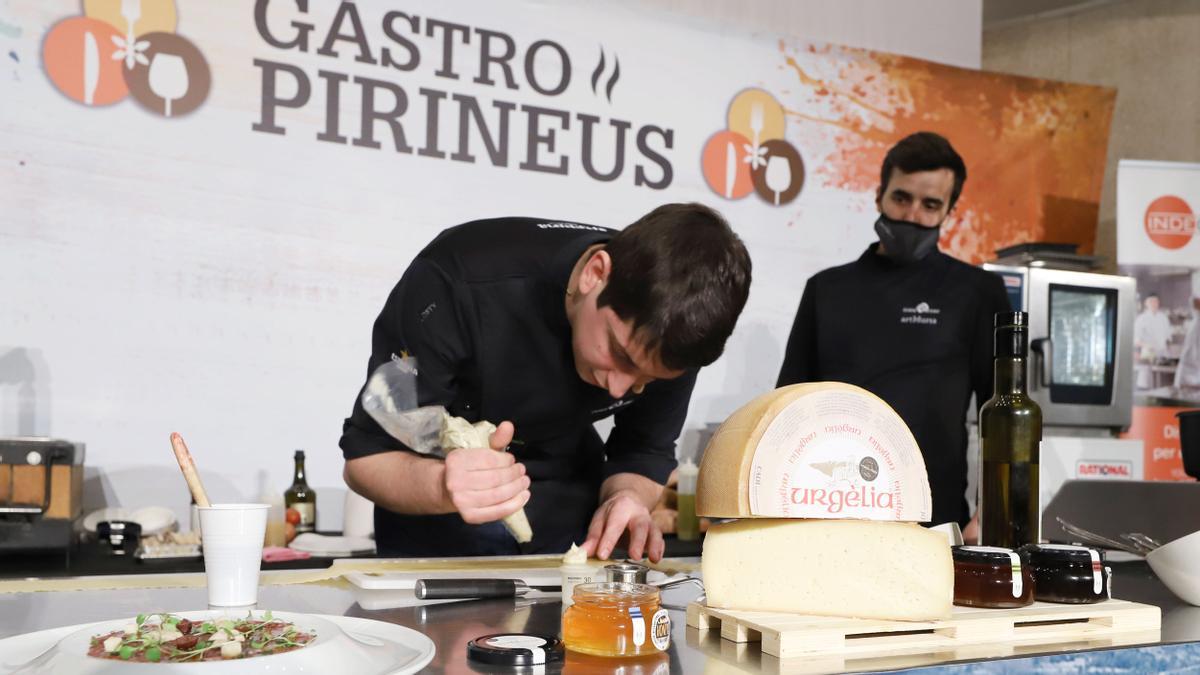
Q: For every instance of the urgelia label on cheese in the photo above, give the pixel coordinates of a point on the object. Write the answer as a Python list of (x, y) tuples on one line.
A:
[(838, 454)]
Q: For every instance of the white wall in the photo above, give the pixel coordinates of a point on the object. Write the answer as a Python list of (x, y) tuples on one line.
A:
[(224, 285), (945, 31)]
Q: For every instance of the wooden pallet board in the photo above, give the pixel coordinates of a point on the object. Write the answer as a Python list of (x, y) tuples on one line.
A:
[(792, 635)]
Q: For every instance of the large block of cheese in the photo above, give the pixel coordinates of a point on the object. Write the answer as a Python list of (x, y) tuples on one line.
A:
[(816, 450), (852, 568)]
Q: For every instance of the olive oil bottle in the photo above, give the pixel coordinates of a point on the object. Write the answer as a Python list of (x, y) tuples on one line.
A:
[(1010, 436), (301, 498)]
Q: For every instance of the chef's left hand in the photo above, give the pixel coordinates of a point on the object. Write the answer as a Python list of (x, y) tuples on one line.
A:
[(624, 517)]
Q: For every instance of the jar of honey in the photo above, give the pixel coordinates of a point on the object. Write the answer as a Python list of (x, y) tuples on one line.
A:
[(1069, 574), (615, 619), (990, 576)]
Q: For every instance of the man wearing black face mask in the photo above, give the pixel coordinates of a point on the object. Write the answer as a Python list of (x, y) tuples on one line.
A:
[(906, 321)]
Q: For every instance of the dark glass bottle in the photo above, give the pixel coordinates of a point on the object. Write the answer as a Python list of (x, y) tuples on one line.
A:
[(1010, 436), (302, 498)]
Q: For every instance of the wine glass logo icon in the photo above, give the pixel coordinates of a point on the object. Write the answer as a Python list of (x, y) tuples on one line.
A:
[(175, 79), (168, 78), (127, 48), (778, 176), (752, 154)]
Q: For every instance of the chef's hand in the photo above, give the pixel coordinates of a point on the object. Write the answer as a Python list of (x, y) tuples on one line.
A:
[(484, 485), (623, 513)]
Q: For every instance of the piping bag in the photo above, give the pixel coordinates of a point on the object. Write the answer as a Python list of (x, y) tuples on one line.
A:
[(390, 398)]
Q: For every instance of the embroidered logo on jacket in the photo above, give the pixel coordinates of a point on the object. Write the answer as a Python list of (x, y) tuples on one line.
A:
[(922, 314)]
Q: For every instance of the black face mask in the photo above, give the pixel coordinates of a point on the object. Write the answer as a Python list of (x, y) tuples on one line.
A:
[(906, 242)]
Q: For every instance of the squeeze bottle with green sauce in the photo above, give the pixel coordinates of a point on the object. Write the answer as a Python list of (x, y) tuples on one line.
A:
[(687, 525)]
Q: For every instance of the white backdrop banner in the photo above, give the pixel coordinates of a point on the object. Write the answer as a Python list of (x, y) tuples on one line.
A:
[(205, 204)]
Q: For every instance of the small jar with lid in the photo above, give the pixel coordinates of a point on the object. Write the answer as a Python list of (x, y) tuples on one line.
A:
[(992, 577), (1068, 574), (614, 619)]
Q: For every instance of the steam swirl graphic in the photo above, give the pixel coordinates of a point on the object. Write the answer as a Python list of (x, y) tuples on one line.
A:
[(612, 79)]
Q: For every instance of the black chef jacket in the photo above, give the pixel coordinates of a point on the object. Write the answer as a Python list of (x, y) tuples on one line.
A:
[(482, 309), (918, 336)]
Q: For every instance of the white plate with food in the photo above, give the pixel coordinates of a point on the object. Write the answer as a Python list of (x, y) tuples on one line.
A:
[(226, 643)]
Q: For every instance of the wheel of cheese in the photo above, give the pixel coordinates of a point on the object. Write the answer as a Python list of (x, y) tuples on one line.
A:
[(853, 568), (814, 450)]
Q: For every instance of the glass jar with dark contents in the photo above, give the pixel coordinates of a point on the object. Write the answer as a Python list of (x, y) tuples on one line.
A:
[(1068, 574), (992, 577)]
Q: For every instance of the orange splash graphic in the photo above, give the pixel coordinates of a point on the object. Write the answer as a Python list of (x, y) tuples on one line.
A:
[(1034, 149)]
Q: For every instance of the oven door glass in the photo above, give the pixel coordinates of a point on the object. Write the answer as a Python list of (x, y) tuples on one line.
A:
[(1083, 335)]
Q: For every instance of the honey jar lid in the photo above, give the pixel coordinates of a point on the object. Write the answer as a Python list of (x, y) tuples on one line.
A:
[(1062, 554), (983, 554), (515, 649)]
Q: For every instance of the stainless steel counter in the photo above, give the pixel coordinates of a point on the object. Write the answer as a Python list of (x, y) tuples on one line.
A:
[(452, 625)]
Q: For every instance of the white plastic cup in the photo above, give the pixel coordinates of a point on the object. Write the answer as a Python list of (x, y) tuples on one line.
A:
[(232, 535)]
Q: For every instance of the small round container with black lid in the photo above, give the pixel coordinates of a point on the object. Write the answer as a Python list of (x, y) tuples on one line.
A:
[(992, 577), (515, 650), (1068, 574)]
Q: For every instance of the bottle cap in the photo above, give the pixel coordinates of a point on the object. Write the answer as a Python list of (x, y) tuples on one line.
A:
[(1012, 335), (1017, 320), (515, 649), (299, 454), (688, 473)]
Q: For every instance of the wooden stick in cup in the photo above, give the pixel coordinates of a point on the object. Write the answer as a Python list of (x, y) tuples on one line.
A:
[(188, 466)]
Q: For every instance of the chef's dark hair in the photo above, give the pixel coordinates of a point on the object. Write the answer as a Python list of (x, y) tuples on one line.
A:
[(682, 277), (924, 151)]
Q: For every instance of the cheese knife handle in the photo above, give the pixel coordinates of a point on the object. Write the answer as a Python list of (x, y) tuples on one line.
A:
[(441, 589)]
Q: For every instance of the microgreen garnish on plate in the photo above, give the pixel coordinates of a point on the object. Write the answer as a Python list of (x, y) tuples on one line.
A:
[(169, 638)]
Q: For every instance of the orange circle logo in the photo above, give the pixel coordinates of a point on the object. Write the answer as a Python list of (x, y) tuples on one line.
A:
[(1170, 222), (78, 53), (724, 164)]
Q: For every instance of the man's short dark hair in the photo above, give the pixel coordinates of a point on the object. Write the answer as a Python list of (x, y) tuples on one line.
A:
[(924, 151), (682, 277)]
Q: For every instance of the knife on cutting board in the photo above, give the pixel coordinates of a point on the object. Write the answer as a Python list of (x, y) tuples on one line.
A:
[(442, 589)]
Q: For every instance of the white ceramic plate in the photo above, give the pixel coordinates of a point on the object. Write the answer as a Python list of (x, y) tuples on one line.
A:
[(1175, 563), (153, 519), (91, 520), (343, 645)]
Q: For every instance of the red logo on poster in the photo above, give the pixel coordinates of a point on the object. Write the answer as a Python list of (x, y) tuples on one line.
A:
[(1104, 469), (1170, 222)]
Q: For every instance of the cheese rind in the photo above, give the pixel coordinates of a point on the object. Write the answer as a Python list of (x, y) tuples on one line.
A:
[(852, 568), (814, 450)]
